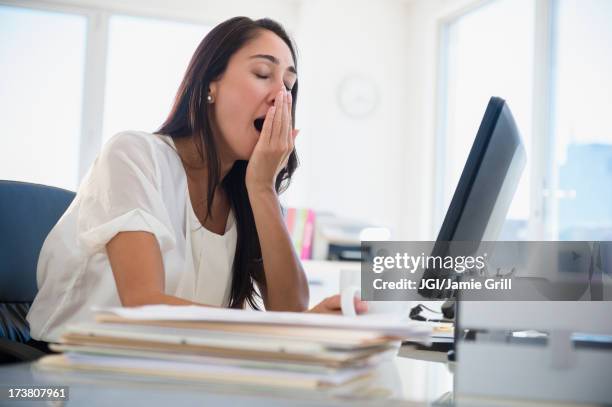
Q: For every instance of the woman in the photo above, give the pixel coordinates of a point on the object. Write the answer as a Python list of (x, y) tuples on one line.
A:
[(190, 214)]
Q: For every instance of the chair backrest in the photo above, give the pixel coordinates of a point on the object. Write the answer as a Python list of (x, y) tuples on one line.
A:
[(27, 214)]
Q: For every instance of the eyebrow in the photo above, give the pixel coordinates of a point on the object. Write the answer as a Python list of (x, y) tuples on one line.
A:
[(274, 60)]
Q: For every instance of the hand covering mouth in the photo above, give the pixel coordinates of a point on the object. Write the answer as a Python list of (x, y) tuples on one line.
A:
[(258, 123)]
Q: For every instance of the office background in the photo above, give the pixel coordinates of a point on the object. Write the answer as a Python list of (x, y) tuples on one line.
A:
[(391, 94)]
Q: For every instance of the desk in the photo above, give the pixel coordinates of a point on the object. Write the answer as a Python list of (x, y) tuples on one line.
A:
[(402, 381), (324, 277)]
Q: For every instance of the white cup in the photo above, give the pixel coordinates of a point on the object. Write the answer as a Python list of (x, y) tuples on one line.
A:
[(350, 287)]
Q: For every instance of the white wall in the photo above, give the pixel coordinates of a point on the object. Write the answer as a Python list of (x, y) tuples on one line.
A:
[(352, 167), (208, 11), (378, 168), (425, 18)]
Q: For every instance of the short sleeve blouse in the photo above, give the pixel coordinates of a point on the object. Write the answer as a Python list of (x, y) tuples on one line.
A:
[(137, 183)]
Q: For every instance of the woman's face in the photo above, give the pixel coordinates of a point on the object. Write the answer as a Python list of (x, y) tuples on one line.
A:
[(246, 90)]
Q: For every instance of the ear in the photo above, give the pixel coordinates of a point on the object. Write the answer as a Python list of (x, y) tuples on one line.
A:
[(212, 89)]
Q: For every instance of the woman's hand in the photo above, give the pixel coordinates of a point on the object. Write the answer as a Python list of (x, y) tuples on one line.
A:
[(274, 146), (331, 305)]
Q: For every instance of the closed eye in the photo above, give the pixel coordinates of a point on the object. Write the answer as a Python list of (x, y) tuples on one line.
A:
[(266, 77)]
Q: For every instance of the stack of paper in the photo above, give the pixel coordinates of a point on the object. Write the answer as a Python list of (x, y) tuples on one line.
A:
[(262, 348)]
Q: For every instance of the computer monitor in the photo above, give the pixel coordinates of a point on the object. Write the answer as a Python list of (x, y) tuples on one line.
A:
[(485, 190)]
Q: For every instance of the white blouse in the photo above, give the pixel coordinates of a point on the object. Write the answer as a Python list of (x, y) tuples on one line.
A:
[(137, 183)]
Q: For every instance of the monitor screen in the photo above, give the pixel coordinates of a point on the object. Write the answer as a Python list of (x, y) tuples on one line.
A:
[(485, 190)]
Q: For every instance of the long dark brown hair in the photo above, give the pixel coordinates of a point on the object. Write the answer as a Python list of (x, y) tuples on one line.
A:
[(190, 116)]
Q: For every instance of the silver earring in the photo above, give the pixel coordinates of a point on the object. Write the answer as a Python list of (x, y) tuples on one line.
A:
[(209, 98)]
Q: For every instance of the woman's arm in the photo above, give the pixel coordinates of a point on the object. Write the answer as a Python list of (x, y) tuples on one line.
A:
[(137, 265), (286, 284), (138, 269)]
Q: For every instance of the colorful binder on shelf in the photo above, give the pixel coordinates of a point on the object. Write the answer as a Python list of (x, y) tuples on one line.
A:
[(300, 224)]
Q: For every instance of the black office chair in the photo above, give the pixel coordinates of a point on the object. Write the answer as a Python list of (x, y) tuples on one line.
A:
[(27, 214)]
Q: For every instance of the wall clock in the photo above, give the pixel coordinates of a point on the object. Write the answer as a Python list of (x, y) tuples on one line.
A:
[(357, 95)]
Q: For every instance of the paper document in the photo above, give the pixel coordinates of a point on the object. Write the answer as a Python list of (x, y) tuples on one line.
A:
[(214, 373), (372, 361), (383, 324)]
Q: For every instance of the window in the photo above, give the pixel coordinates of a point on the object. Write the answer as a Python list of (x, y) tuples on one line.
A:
[(490, 51), (582, 130), (487, 56), (74, 76), (146, 62), (42, 59)]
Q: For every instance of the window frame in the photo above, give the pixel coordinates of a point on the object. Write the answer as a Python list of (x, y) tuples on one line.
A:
[(542, 213), (95, 64)]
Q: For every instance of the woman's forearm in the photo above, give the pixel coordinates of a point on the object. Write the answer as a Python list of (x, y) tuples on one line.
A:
[(287, 287), (158, 298)]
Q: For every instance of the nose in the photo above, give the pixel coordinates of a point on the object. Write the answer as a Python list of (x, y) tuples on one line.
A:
[(274, 92)]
